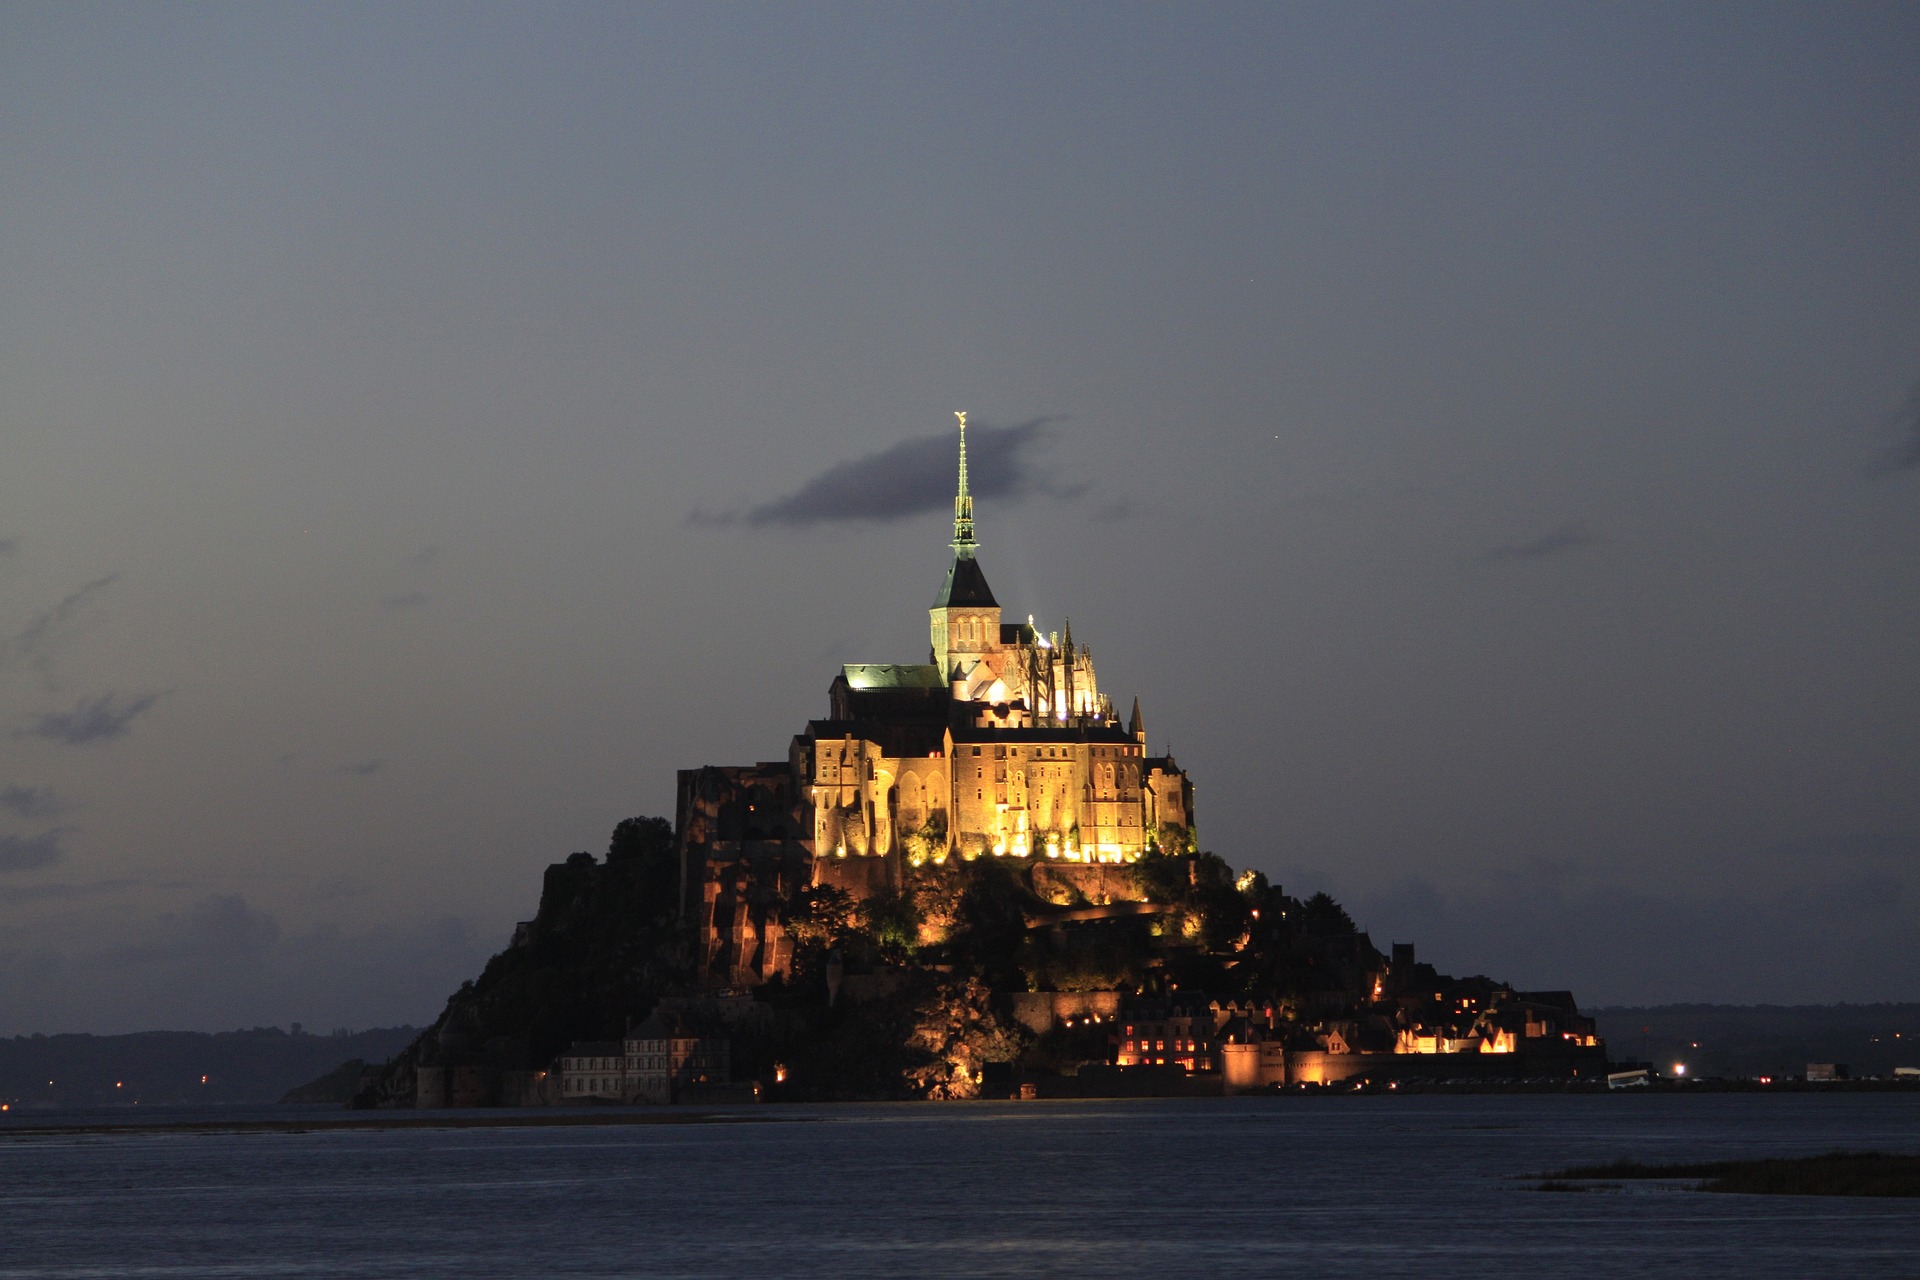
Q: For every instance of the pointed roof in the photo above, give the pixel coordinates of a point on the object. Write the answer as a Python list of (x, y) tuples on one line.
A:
[(965, 587), (963, 543)]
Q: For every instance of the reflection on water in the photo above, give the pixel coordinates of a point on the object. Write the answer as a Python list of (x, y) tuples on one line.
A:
[(1356, 1185)]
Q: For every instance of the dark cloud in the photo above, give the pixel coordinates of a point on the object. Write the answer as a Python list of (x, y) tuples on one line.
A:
[(423, 558), (404, 599), (363, 768), (8, 546), (1565, 538), (35, 642), (1904, 455), (911, 477), (30, 853), (31, 802), (97, 720), (1117, 510)]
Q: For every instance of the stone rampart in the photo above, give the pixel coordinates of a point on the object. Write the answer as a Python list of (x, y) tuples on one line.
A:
[(1041, 1011), (1085, 884)]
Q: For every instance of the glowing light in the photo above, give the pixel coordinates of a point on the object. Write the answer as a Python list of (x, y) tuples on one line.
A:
[(1679, 1068)]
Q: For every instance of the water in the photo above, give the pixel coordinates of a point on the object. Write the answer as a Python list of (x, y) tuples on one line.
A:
[(1360, 1186)]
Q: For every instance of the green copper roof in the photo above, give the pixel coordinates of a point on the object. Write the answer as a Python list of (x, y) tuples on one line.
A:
[(892, 675)]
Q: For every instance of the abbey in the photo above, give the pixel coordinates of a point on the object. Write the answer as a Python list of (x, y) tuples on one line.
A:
[(1001, 745), (968, 879)]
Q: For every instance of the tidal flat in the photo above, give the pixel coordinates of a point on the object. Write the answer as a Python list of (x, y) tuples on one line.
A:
[(1368, 1185), (1835, 1173)]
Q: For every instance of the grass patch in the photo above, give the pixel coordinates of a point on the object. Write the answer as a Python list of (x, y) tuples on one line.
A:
[(1838, 1173)]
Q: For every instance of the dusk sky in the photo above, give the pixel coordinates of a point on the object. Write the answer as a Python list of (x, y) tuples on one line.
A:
[(1485, 437)]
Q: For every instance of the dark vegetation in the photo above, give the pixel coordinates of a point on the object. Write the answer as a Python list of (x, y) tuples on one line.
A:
[(1838, 1173), (606, 946), (603, 947), (927, 973), (1766, 1040), (165, 1068), (337, 1087)]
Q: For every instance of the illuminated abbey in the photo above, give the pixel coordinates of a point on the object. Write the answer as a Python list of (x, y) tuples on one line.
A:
[(1000, 745), (969, 879)]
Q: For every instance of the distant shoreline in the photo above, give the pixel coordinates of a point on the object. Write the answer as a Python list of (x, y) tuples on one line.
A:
[(310, 1118), (331, 1118)]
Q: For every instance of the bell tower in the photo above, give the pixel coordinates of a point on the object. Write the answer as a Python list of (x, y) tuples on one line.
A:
[(965, 616)]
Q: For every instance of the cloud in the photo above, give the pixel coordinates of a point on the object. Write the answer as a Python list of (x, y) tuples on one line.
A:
[(223, 961), (224, 928), (1904, 455), (36, 641), (363, 768), (1565, 538), (8, 546), (423, 558), (99, 720), (62, 891), (1845, 936), (911, 477), (30, 853), (31, 802), (404, 599)]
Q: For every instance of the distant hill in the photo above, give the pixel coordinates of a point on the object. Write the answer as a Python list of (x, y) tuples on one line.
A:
[(1764, 1039), (161, 1068)]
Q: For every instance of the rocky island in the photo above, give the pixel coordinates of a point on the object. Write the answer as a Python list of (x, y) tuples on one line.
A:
[(971, 878)]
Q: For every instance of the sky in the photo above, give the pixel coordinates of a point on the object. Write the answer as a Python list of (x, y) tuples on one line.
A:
[(1486, 437)]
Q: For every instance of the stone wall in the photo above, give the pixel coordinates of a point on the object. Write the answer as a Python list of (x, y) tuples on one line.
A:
[(1041, 1011), (1078, 883)]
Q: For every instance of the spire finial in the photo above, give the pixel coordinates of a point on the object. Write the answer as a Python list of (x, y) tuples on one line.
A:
[(963, 543)]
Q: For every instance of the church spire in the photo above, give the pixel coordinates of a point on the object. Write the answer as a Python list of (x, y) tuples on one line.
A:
[(963, 543)]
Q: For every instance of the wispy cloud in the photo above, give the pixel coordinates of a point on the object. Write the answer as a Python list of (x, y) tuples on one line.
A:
[(1904, 453), (31, 802), (63, 891), (35, 642), (29, 853), (363, 768), (1645, 943), (1564, 538), (415, 596), (224, 928), (911, 477), (100, 719)]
